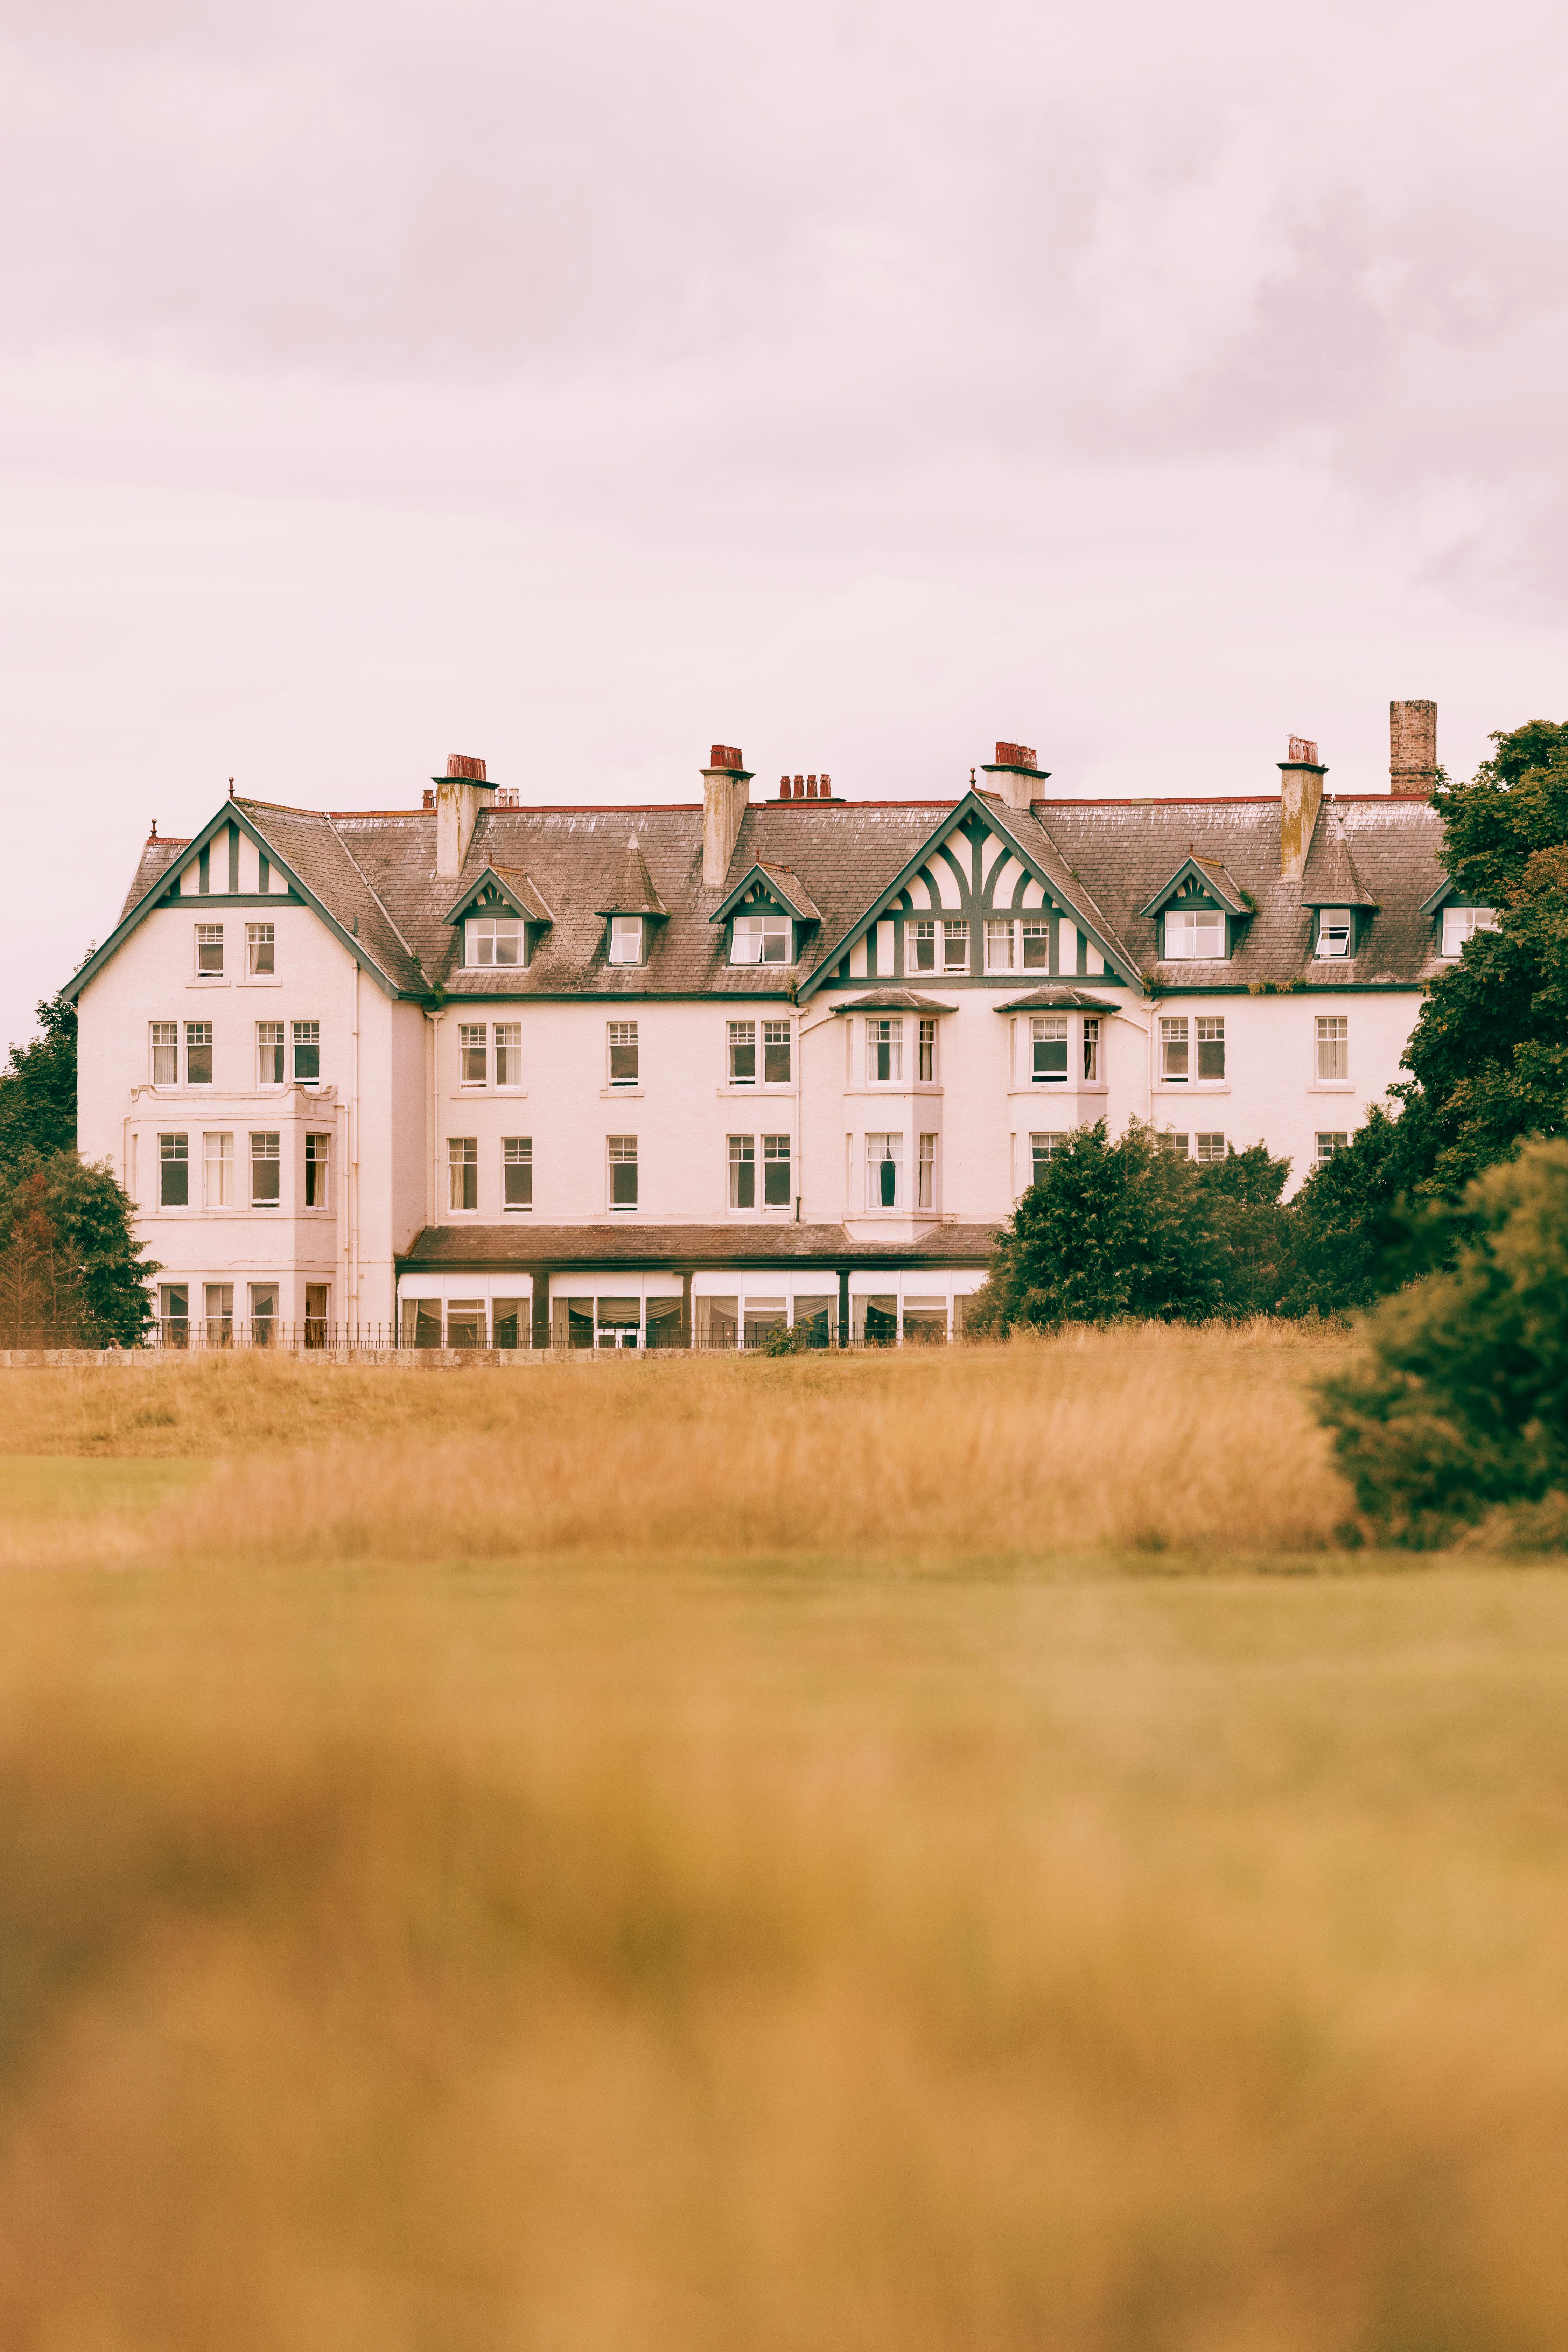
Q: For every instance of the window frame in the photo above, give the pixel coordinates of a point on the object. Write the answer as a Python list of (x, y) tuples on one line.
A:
[(1334, 923), (462, 1175), (740, 1037), (768, 924), (622, 929), (886, 1137), (630, 1042), (156, 1045), (925, 1164), (769, 1045), (1452, 955), (467, 1032), (956, 934), (265, 1159), (304, 1038), (925, 1050), (741, 1156), (1203, 1151), (892, 1044), (508, 1042), (621, 1152), (496, 929), (221, 1160), (259, 936), (516, 1152), (1214, 1022), (1175, 1033), (1034, 925), (998, 930), (1090, 1048), (179, 1159), (199, 1034), (277, 1045), (1331, 1031), (1050, 1139), (921, 931), (1337, 1139), (318, 1170), (206, 940), (1207, 916), (1049, 1029)]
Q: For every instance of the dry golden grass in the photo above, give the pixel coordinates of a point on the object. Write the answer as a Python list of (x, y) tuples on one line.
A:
[(1151, 1441), (698, 1933)]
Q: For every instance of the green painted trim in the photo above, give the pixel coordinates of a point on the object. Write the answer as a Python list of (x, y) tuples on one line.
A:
[(1296, 988), (177, 898), (971, 811)]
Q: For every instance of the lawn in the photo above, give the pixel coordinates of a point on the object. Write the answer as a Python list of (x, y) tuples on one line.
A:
[(447, 1904)]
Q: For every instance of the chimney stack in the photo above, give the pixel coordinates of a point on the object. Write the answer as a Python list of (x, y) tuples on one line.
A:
[(1412, 750), (1300, 797), (1018, 772), (461, 794), (726, 792), (805, 788)]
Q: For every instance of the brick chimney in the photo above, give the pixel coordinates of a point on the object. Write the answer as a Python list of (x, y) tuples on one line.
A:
[(461, 794), (726, 792), (1018, 772), (1300, 797), (1412, 750)]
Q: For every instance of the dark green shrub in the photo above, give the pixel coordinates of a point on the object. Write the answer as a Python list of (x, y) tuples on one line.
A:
[(1111, 1230), (1463, 1408)]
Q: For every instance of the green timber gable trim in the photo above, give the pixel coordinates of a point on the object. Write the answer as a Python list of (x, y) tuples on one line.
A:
[(164, 895), (970, 820)]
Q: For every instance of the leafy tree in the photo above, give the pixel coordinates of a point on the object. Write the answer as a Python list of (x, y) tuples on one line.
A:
[(1463, 1404), (1110, 1230), (1253, 1234), (72, 1271), (37, 1088)]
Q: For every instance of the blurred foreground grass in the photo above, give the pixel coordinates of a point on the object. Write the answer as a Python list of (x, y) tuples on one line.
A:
[(626, 1946)]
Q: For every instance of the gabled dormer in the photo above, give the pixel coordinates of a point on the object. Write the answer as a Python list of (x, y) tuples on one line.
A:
[(765, 915), (632, 910), (1456, 915), (1333, 894), (1198, 913), (501, 915)]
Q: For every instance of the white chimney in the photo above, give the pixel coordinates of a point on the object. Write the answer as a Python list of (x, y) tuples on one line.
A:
[(1018, 774), (726, 794), (461, 794)]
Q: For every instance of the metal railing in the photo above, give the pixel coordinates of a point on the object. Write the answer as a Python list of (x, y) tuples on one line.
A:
[(227, 1335)]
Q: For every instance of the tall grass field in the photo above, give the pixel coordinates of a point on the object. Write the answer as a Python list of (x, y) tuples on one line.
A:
[(949, 1853)]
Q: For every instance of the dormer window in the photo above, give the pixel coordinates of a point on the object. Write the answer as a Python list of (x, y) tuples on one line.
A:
[(625, 939), (1336, 930), (494, 939), (1195, 935), (760, 938), (1462, 923)]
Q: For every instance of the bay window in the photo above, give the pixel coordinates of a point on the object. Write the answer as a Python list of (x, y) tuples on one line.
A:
[(218, 1169), (307, 1053), (1091, 1050), (266, 1169), (928, 1173), (1048, 1050), (927, 1070), (884, 1172), (173, 1171), (317, 1172), (884, 1053)]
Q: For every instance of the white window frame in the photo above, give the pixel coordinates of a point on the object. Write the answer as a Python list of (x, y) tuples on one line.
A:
[(473, 1038), (955, 943), (462, 1175), (266, 1158), (217, 1153), (163, 1037), (1184, 927), (1092, 1045), (881, 1147), (177, 1157), (1462, 923), (260, 951), (1043, 1148), (775, 1034), (200, 1034), (741, 1156), (486, 937), (1336, 930), (925, 1190), (621, 1037), (885, 1035), (1209, 1147), (1337, 1139), (1050, 1029), (509, 1057), (207, 938), (777, 1152), (925, 1050), (1175, 1036), (516, 1151), (318, 1170), (1035, 926), (275, 1045), (740, 1037), (1333, 1044), (999, 935), (759, 931), (626, 942), (921, 931), (621, 1152), (304, 1036), (1208, 1029)]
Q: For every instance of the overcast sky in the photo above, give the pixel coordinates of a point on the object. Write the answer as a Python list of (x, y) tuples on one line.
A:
[(855, 384)]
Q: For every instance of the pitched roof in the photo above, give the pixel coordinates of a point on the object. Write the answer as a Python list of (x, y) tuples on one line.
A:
[(633, 892), (894, 999), (510, 882), (1330, 879), (1210, 875), (157, 856), (1059, 1000)]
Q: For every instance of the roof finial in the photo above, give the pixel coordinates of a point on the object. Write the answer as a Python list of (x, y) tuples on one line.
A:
[(153, 835), (971, 780), (231, 788)]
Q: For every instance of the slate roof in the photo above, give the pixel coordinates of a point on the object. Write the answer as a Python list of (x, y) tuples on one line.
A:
[(154, 862), (477, 1248), (376, 876), (895, 1000), (1128, 848), (1059, 1000)]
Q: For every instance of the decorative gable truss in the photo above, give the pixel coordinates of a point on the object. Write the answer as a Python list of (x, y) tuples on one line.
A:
[(231, 864), (976, 902), (767, 912), (500, 909), (1197, 913)]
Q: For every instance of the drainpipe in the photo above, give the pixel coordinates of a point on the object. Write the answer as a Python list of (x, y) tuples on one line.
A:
[(433, 1164)]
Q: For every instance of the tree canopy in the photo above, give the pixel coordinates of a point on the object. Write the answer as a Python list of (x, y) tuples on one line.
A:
[(37, 1088), (71, 1270)]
